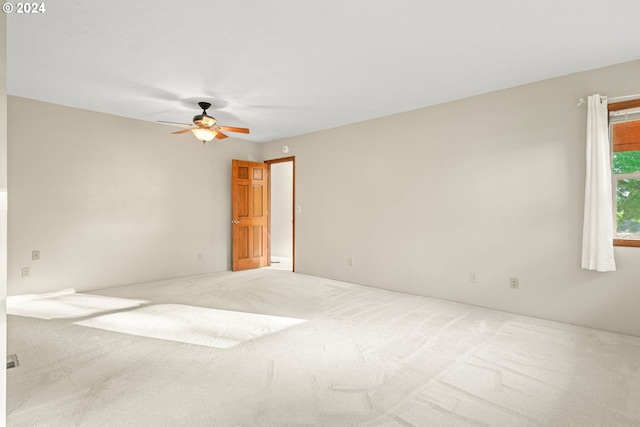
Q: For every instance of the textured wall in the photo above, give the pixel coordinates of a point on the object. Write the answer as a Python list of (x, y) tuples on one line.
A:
[(108, 200)]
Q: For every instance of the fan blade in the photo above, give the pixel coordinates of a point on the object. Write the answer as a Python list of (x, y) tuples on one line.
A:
[(220, 135), (232, 129), (178, 132)]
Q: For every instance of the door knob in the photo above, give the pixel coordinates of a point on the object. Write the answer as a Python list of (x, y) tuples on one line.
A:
[(235, 221)]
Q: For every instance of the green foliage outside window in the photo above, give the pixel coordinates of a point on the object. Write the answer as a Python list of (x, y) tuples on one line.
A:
[(627, 192)]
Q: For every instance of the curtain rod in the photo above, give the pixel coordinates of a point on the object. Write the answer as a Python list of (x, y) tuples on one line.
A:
[(616, 99)]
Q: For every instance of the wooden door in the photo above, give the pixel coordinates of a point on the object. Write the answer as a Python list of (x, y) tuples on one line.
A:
[(249, 214)]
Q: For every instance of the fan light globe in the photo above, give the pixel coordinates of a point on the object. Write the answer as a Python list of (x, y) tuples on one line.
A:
[(204, 135)]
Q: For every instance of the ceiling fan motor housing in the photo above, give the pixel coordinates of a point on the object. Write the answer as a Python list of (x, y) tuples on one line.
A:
[(204, 118)]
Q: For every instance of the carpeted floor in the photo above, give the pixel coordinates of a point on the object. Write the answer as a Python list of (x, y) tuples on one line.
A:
[(274, 348)]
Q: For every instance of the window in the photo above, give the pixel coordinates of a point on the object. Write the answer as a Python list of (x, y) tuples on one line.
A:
[(624, 127)]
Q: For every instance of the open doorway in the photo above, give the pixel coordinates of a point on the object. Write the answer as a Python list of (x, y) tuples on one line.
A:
[(281, 213)]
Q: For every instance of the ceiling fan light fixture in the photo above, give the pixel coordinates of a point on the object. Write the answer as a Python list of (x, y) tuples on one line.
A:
[(204, 135)]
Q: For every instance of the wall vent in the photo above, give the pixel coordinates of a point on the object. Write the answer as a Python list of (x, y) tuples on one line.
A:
[(12, 361)]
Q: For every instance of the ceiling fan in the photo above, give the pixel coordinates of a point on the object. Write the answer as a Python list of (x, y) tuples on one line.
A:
[(207, 127)]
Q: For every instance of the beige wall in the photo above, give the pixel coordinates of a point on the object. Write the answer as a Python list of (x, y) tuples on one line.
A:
[(109, 201), (492, 184)]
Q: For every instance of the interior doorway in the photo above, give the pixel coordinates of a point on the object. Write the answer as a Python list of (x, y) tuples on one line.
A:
[(281, 246)]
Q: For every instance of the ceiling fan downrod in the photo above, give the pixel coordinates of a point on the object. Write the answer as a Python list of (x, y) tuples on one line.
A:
[(205, 106)]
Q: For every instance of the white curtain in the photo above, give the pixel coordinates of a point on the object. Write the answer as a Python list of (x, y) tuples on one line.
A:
[(597, 235)]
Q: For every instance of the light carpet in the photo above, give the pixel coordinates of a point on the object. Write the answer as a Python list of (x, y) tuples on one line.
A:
[(275, 348)]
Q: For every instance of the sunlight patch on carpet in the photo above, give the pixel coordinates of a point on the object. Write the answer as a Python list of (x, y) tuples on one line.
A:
[(66, 305), (192, 325)]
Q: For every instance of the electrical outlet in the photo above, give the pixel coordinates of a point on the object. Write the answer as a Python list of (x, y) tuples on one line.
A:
[(473, 278), (350, 262), (199, 256), (513, 282), (26, 272), (35, 255)]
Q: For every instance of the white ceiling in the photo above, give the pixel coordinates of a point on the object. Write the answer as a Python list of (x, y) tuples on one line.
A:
[(288, 67)]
